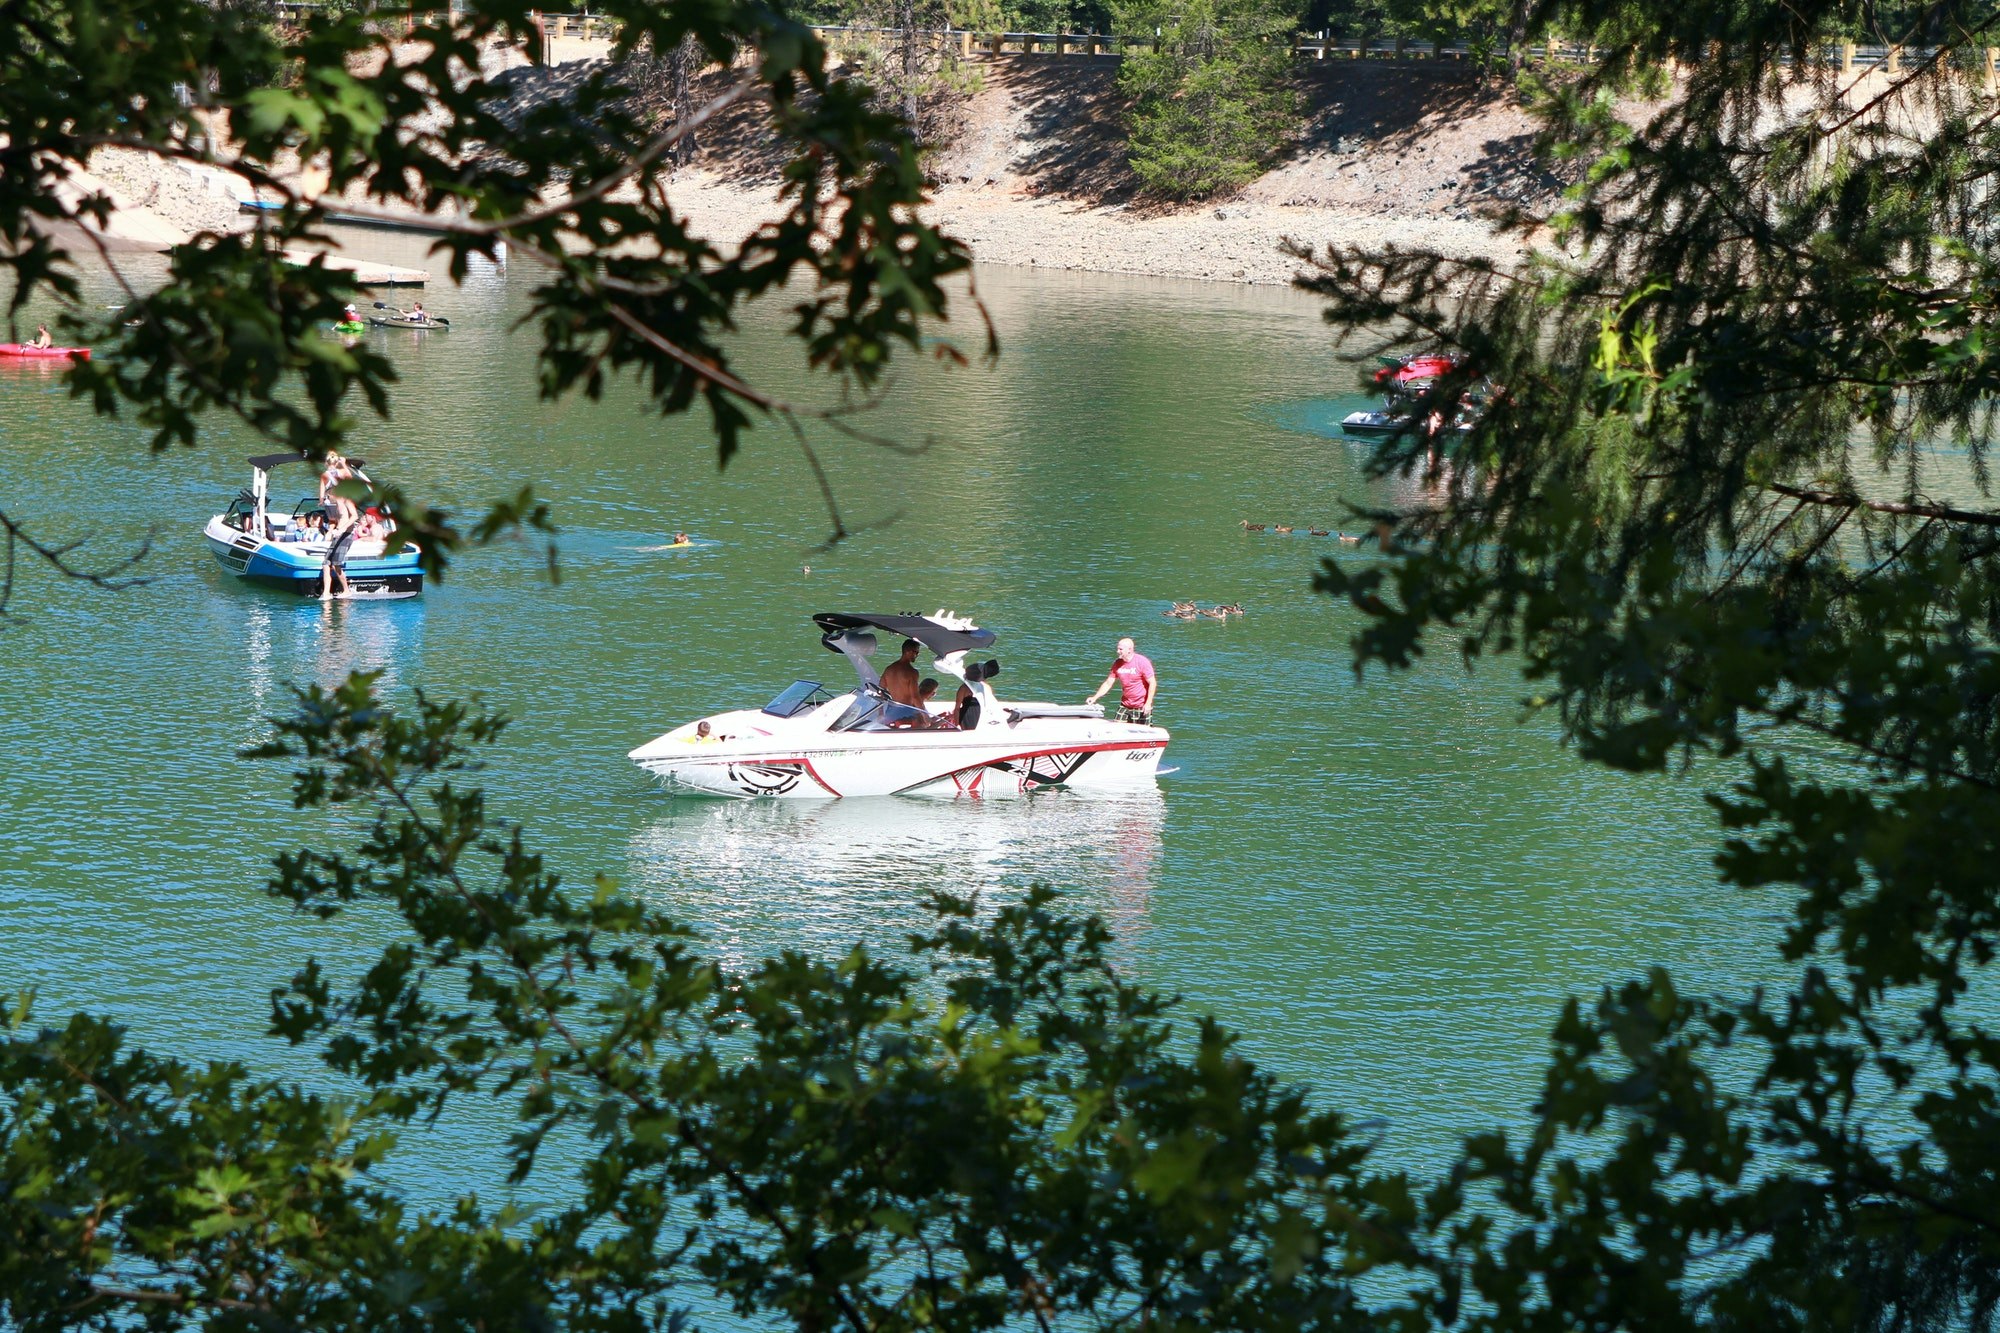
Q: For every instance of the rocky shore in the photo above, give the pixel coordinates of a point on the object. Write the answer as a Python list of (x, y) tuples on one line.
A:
[(1240, 241), (1388, 157)]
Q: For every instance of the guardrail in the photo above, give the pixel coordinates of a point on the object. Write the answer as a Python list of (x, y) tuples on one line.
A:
[(1847, 57)]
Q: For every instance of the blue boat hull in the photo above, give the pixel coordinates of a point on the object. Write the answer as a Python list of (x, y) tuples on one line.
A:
[(297, 570)]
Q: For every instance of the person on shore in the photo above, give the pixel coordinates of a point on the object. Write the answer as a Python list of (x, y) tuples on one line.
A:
[(899, 682), (1133, 673), (42, 338)]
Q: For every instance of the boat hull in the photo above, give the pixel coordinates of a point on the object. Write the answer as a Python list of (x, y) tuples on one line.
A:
[(987, 762), (296, 568), (31, 352), (1372, 425)]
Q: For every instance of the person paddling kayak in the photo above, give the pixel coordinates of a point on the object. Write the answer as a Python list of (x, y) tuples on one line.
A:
[(42, 338)]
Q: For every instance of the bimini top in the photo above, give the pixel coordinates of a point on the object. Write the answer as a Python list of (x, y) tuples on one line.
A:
[(265, 462), (941, 632)]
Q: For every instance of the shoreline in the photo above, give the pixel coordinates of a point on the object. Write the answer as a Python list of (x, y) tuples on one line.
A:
[(1036, 178), (1233, 242)]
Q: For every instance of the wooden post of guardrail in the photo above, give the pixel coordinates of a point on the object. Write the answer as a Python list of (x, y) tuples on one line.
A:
[(1895, 62), (1992, 63), (1847, 57)]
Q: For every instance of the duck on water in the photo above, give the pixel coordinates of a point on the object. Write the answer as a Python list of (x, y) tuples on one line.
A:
[(289, 551)]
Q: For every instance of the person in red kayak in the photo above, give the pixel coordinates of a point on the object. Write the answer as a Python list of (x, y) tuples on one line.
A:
[(42, 338)]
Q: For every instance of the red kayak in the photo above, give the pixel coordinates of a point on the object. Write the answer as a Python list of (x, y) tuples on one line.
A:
[(29, 349)]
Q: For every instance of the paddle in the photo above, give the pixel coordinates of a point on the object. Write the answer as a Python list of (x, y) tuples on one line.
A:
[(429, 318)]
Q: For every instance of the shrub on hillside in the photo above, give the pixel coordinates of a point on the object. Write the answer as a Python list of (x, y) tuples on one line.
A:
[(1212, 99)]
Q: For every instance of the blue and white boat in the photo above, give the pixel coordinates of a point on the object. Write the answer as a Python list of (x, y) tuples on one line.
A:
[(286, 551)]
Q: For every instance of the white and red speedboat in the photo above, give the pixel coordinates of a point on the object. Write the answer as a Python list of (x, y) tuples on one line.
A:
[(813, 742)]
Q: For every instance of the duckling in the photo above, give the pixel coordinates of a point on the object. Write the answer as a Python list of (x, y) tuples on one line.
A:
[(1280, 528), (805, 569), (1351, 541), (1319, 532), (1248, 526), (1233, 609), (1213, 612)]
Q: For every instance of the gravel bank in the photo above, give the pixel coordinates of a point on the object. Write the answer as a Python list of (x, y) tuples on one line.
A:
[(1235, 242)]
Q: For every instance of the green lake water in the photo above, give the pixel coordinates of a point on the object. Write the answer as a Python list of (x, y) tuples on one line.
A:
[(1388, 885)]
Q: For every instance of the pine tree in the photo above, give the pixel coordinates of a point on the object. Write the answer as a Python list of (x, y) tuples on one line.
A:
[(1212, 100)]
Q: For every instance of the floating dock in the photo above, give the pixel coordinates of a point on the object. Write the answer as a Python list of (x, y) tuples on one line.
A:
[(366, 273)]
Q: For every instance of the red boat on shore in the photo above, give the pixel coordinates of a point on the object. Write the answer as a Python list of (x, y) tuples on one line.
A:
[(29, 349)]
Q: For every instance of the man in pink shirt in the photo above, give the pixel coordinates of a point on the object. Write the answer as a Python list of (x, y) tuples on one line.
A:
[(1133, 674)]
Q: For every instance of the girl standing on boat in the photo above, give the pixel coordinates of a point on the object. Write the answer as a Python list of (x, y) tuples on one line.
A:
[(336, 471)]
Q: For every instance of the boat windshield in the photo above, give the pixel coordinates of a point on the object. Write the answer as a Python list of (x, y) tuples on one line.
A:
[(797, 697), (872, 710)]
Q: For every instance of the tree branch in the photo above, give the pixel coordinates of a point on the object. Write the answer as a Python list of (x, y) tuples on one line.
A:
[(1978, 517)]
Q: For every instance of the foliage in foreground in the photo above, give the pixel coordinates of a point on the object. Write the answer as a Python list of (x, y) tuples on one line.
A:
[(995, 1129), (1708, 514), (1212, 102), (1733, 502), (394, 107)]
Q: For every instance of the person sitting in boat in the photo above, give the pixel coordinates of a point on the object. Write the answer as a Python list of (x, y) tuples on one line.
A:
[(927, 694), (681, 539), (417, 315), (42, 338)]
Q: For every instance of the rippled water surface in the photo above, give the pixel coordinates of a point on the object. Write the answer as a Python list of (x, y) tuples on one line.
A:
[(1387, 885)]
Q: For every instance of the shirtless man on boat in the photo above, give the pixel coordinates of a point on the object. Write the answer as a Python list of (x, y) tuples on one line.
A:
[(900, 681)]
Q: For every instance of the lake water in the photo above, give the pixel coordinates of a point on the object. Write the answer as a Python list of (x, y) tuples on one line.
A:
[(1388, 885)]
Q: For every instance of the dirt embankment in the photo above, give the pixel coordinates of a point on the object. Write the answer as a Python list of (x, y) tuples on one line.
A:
[(1411, 156), (1403, 155)]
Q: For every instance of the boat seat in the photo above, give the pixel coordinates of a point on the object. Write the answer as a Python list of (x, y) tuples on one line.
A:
[(1016, 712)]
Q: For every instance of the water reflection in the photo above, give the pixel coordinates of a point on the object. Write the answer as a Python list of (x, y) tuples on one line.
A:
[(288, 640), (766, 875)]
